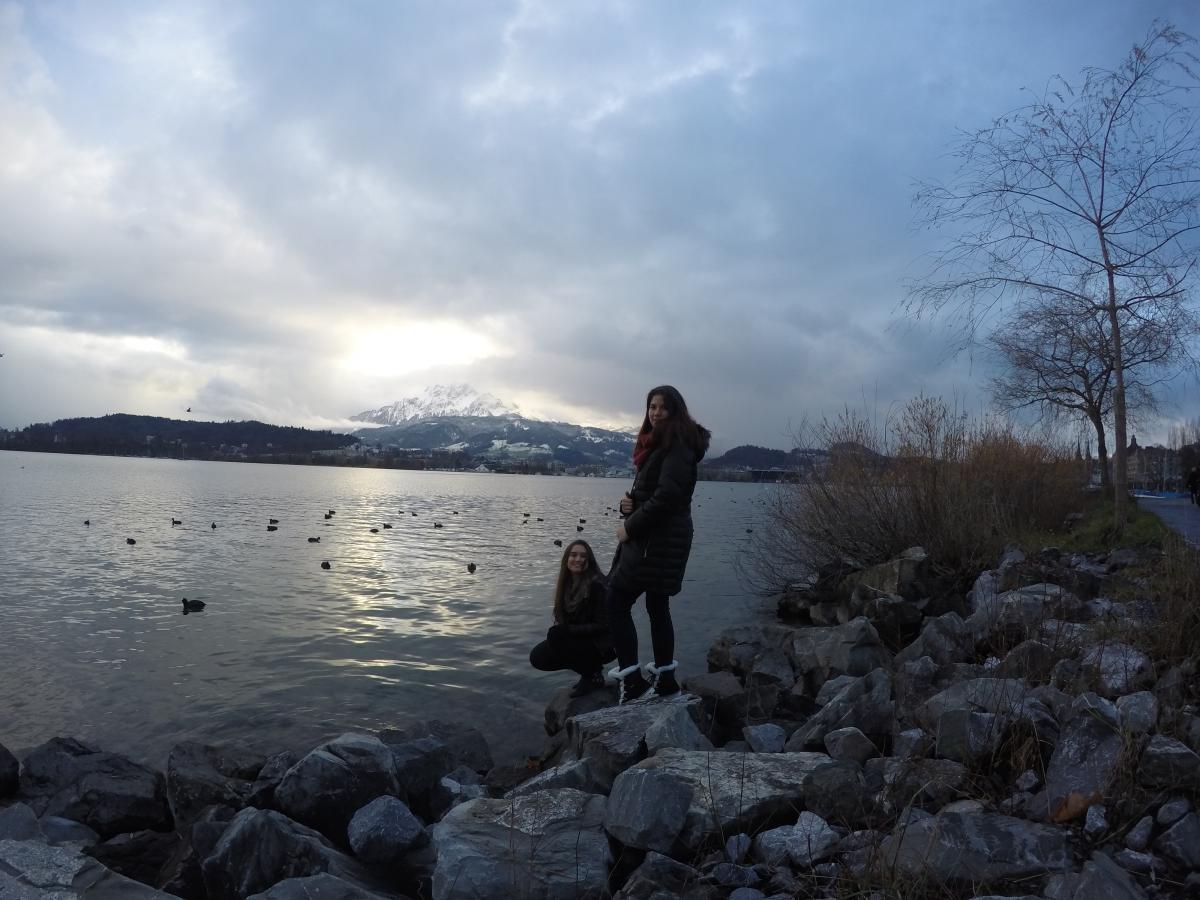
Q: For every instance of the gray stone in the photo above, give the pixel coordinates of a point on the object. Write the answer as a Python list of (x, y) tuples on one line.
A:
[(833, 687), (736, 648), (262, 792), (1118, 668), (1138, 837), (19, 823), (850, 744), (747, 893), (384, 830), (575, 774), (1015, 804), (731, 875), (200, 775), (765, 738), (109, 793), (614, 738), (675, 726), (945, 639), (10, 773), (1181, 842), (839, 792), (1095, 822), (1168, 763), (1018, 614), (962, 806), (924, 782), (34, 870), (999, 696), (724, 794), (1172, 811), (978, 848), (67, 832), (810, 841), (851, 649), (1139, 712), (1028, 780), (771, 665), (420, 764), (661, 878), (969, 737), (1030, 660), (912, 742), (728, 703), (466, 745), (1141, 863), (563, 706), (262, 847), (316, 887), (1084, 763), (331, 783), (865, 704), (737, 847), (922, 670), (547, 845), (1100, 879)]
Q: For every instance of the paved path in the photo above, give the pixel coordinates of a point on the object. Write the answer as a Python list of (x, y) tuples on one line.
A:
[(1181, 514)]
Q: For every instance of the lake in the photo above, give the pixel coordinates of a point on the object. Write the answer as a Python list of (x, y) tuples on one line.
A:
[(93, 642)]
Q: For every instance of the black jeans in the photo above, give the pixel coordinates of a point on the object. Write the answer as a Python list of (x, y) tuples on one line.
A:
[(575, 653), (620, 619)]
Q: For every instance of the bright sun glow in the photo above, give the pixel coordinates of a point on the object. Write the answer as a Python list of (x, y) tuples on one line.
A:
[(421, 345)]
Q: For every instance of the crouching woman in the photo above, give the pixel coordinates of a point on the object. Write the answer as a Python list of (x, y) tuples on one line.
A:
[(579, 639)]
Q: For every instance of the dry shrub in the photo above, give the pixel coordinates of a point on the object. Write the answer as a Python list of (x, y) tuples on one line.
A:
[(928, 476), (1173, 637)]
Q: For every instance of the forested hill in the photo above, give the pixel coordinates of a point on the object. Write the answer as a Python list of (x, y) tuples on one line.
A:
[(122, 434), (749, 456)]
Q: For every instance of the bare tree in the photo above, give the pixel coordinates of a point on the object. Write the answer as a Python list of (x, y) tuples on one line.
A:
[(1056, 356), (1090, 195)]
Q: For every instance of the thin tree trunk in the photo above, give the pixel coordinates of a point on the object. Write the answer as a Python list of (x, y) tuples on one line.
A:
[(1102, 453), (1120, 458)]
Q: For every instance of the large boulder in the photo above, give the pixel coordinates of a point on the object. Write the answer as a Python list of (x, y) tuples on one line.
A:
[(107, 792), (1118, 669), (1099, 879), (945, 639), (865, 704), (563, 706), (925, 783), (1017, 615), (261, 847), (819, 654), (200, 775), (736, 648), (420, 765), (1085, 761), (10, 773), (1007, 697), (33, 870), (466, 745), (976, 848), (728, 705), (660, 877), (614, 738), (575, 774), (673, 801), (900, 576), (543, 846), (328, 785), (1168, 763), (384, 830)]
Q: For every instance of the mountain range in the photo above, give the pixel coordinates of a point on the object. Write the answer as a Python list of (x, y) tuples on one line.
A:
[(438, 400)]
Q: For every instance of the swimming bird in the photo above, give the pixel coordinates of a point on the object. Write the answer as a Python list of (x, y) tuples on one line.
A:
[(272, 528), (540, 519), (314, 540), (189, 409), (193, 605), (455, 513), (272, 521), (387, 524), (332, 511), (583, 521), (471, 568), (327, 516), (374, 531), (176, 522), (437, 524), (526, 515), (557, 543), (579, 528), (87, 521), (325, 565), (130, 541), (214, 526), (414, 514)]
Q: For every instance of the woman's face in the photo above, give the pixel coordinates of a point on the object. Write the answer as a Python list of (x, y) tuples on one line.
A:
[(577, 559), (657, 411)]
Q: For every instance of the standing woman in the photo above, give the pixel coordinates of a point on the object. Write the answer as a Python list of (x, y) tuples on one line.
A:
[(579, 639), (654, 540)]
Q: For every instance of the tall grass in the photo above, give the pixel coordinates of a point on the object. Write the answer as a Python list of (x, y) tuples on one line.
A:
[(927, 476)]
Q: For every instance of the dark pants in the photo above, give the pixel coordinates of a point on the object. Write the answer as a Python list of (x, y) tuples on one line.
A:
[(620, 619), (574, 653)]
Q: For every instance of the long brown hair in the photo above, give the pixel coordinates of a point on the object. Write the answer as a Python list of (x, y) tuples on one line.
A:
[(565, 576), (680, 426)]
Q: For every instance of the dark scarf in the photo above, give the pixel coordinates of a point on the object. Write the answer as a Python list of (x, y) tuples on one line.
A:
[(643, 448)]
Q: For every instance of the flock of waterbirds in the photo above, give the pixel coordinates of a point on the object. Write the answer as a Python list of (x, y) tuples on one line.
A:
[(192, 606)]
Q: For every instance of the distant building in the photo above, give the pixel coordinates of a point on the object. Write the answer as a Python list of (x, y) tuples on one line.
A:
[(1153, 468)]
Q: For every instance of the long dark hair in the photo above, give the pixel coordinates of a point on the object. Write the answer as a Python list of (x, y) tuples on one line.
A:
[(565, 577), (680, 426)]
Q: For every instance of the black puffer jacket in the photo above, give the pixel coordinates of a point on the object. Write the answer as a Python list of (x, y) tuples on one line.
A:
[(660, 526), (590, 619)]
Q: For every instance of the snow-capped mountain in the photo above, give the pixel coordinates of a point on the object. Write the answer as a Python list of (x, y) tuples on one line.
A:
[(439, 400)]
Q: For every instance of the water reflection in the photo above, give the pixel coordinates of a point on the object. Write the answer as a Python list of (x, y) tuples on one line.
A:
[(285, 652)]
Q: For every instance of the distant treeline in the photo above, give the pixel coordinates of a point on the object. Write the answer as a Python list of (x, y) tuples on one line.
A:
[(126, 435)]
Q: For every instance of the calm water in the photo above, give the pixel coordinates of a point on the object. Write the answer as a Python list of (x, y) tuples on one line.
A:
[(93, 642)]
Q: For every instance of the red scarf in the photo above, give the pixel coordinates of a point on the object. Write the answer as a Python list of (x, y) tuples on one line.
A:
[(642, 449)]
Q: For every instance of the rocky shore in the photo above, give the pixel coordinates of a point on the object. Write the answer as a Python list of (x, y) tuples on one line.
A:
[(886, 738)]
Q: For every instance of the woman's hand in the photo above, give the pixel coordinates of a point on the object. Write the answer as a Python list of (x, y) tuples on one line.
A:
[(622, 537), (626, 505)]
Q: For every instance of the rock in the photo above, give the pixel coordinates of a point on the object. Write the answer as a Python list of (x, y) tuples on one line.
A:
[(420, 765), (840, 793), (850, 744), (10, 773), (330, 784), (1168, 763), (19, 823), (1030, 660), (833, 687), (137, 854), (262, 792), (675, 726), (811, 841), (1138, 837), (614, 738), (912, 742), (563, 706), (1084, 763), (765, 738), (771, 666), (316, 887), (922, 782), (1139, 712), (1100, 879), (678, 798), (659, 877), (969, 737), (1172, 811), (819, 654), (977, 848), (384, 830), (865, 704), (730, 875), (450, 793), (576, 774), (181, 874), (261, 847), (200, 775), (1000, 696), (67, 833), (1118, 669), (1028, 780), (736, 649), (34, 870), (466, 745), (749, 893), (1095, 824), (1181, 842), (546, 845), (896, 576), (1142, 863), (946, 639), (737, 848), (107, 792), (728, 704)]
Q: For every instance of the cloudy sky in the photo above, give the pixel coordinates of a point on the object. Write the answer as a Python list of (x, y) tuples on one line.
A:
[(296, 211)]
